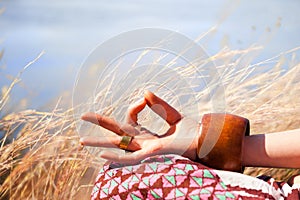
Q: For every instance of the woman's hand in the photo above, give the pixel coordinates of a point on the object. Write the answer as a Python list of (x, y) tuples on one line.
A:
[(143, 143)]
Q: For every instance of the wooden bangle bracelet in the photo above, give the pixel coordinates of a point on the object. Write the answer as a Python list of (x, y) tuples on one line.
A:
[(220, 144)]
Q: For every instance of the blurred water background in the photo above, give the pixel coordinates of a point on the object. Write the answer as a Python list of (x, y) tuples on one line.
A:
[(68, 30)]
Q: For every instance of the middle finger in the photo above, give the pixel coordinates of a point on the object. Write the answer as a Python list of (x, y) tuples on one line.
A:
[(105, 122)]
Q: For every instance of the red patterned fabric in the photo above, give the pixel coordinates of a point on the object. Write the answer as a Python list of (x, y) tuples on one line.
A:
[(173, 177)]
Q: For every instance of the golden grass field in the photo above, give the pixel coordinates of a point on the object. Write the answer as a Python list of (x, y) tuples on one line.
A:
[(45, 162)]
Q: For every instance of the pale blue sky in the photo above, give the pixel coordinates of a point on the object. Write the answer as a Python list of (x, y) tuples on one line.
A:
[(69, 29)]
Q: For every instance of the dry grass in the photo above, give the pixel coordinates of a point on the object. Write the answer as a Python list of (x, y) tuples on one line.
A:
[(44, 162), (269, 98)]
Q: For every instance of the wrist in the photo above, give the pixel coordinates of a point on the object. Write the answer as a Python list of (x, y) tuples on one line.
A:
[(221, 141), (184, 141)]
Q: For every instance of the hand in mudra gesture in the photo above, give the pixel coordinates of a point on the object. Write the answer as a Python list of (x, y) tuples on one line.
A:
[(138, 140)]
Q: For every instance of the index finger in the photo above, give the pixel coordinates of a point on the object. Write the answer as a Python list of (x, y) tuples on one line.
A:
[(162, 108), (134, 110)]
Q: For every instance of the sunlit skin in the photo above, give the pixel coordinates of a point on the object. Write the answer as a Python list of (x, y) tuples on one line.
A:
[(279, 149), (145, 143)]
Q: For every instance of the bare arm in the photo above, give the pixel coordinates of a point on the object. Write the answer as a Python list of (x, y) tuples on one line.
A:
[(280, 149)]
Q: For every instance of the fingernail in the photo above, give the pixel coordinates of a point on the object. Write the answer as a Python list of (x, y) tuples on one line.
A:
[(85, 116), (137, 103), (141, 100), (81, 146), (81, 141)]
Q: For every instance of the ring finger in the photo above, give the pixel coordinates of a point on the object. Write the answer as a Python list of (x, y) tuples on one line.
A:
[(129, 143), (110, 124)]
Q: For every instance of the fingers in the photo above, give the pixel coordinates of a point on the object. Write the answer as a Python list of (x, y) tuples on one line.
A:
[(131, 158), (129, 130), (105, 122), (162, 108), (100, 142), (169, 132), (110, 142), (159, 106), (134, 110)]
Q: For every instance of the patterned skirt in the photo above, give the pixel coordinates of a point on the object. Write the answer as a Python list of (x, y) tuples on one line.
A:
[(175, 177)]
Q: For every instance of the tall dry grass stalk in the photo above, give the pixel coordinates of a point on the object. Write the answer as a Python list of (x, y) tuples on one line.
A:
[(267, 93), (44, 162)]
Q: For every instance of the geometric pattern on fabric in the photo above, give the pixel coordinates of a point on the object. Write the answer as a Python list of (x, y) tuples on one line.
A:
[(165, 177)]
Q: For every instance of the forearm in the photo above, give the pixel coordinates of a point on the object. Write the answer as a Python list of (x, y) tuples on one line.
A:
[(281, 149)]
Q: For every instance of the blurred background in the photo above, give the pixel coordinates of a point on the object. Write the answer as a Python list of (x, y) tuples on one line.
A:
[(68, 30)]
